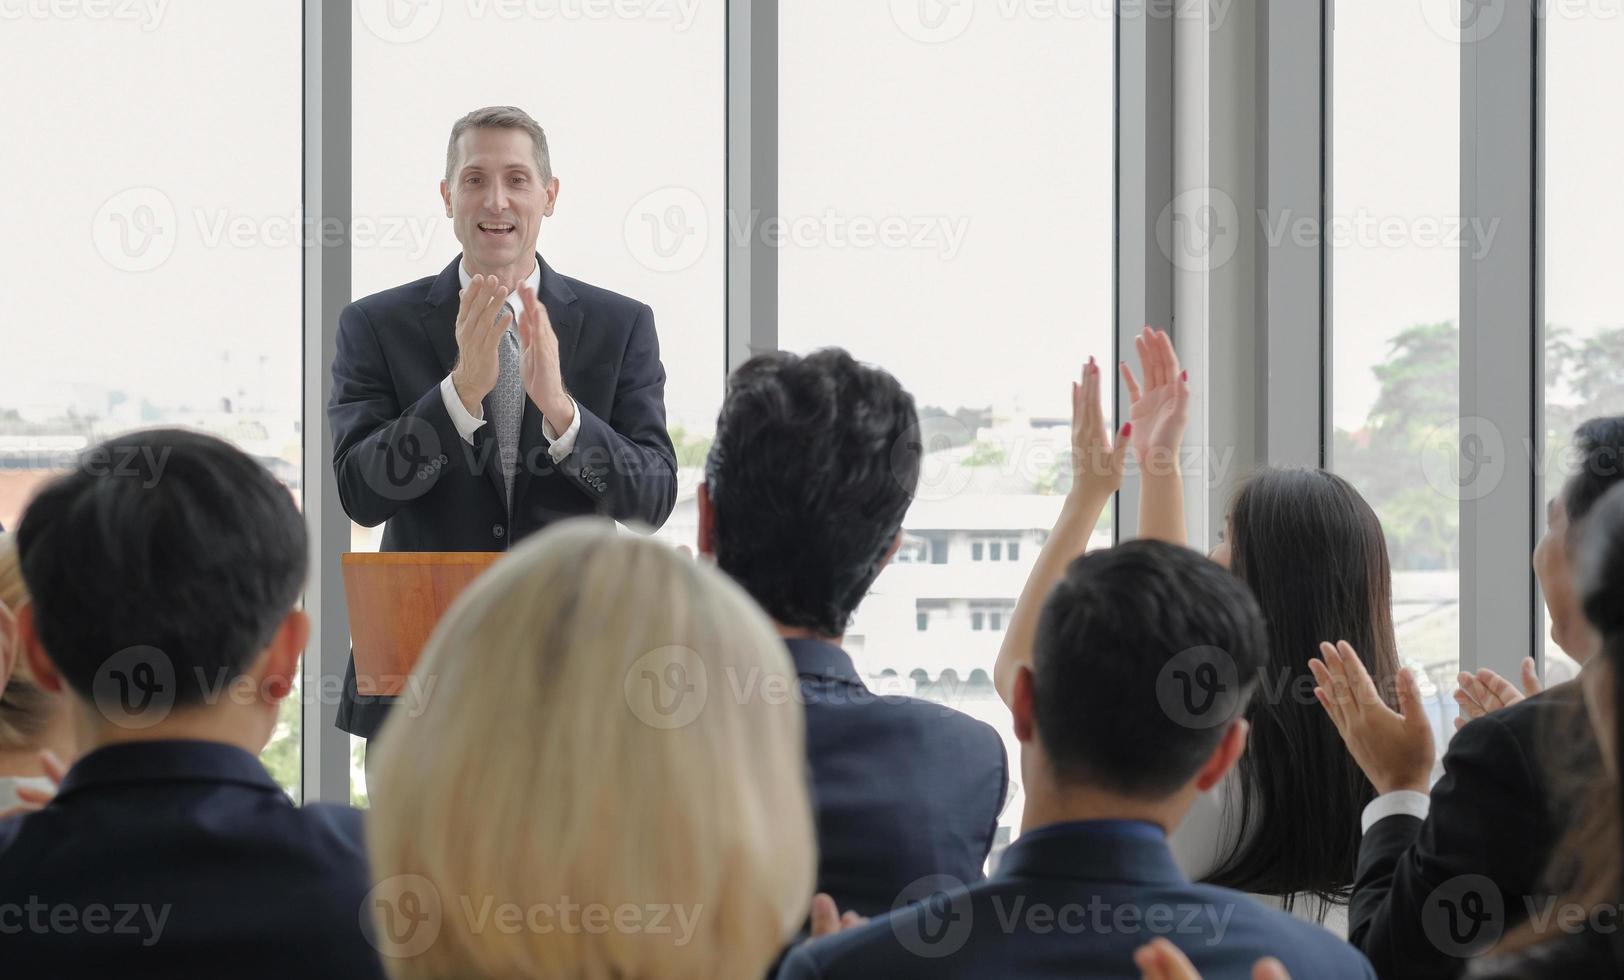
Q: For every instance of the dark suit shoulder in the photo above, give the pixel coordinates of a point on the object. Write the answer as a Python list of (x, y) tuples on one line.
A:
[(606, 300), (391, 300)]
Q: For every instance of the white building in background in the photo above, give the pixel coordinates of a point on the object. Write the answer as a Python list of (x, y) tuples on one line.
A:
[(938, 612)]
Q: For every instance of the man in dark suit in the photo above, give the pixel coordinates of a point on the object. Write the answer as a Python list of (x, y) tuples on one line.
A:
[(1144, 659), (164, 608), (813, 466), (473, 408), (1481, 839)]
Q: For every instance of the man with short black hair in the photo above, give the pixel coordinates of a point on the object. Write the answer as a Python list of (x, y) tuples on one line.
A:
[(165, 573), (811, 471), (1144, 660)]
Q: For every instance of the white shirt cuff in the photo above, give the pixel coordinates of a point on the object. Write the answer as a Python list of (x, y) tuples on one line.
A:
[(466, 424), (1399, 803), (563, 445)]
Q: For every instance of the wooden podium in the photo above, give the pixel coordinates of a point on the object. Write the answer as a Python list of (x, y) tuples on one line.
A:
[(395, 600)]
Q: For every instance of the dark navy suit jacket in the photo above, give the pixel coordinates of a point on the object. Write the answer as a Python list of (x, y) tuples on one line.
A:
[(1075, 900), (182, 859), (902, 789), (399, 458)]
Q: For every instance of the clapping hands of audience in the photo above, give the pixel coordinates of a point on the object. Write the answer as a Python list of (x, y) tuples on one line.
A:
[(1486, 691), (1161, 960), (1159, 411), (36, 799), (1097, 466), (1393, 748)]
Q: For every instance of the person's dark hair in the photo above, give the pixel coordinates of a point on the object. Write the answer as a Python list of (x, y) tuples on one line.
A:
[(1599, 445), (1313, 553), (1119, 643), (165, 539), (811, 471)]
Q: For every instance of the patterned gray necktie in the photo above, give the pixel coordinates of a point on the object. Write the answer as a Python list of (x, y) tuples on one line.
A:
[(507, 406)]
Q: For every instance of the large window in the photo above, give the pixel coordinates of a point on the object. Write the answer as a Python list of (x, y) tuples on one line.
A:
[(633, 99), (1396, 238), (1584, 333), (153, 240), (946, 213)]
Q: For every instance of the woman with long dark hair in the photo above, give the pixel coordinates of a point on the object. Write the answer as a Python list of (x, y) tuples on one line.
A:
[(1287, 822)]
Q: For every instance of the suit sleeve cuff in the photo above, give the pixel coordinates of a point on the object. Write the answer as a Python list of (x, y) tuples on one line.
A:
[(466, 424), (562, 446), (1400, 803)]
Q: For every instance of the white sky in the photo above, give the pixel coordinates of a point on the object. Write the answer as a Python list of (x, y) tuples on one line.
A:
[(987, 142)]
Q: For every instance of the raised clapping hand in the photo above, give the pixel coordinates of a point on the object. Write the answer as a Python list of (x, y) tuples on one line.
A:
[(1097, 464), (1161, 960), (1160, 410), (1393, 748), (1487, 691), (539, 364), (479, 312)]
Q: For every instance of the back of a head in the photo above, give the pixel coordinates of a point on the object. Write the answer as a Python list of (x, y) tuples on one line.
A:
[(1598, 456), (25, 707), (813, 466), (1143, 655), (1313, 552), (607, 725), (166, 555)]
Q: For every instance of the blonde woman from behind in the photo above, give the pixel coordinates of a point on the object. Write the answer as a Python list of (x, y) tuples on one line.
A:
[(36, 731), (603, 778)]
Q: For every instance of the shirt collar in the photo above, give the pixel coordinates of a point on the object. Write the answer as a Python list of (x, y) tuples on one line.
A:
[(1093, 850), (815, 658), (167, 761), (514, 301)]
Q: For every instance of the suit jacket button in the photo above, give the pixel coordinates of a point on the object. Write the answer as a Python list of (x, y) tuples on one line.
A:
[(497, 530)]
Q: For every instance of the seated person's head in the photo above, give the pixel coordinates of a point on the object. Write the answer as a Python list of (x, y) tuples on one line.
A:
[(1143, 662), (31, 718), (608, 729), (1313, 553), (1598, 458), (811, 472), (164, 570)]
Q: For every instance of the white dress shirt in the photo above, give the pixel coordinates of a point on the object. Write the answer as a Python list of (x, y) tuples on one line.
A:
[(559, 446)]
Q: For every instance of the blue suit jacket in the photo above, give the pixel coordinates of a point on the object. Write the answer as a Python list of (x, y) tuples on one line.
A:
[(182, 859), (399, 458), (1075, 900), (901, 788)]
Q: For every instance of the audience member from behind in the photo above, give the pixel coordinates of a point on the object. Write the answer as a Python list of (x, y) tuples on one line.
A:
[(1144, 659), (1500, 806), (813, 467), (585, 765), (36, 729), (1312, 552), (164, 573)]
